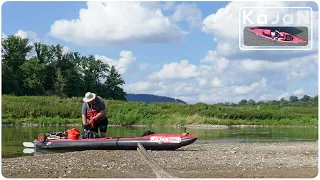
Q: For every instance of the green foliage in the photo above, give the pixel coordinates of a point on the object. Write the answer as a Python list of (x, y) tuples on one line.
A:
[(294, 101), (46, 108), (52, 71)]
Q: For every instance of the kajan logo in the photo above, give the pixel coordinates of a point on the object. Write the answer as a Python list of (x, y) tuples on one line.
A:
[(252, 16)]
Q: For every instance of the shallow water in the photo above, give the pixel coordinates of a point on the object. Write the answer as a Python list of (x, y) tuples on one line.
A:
[(13, 137)]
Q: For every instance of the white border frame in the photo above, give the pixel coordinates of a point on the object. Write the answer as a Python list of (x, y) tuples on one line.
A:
[(301, 48)]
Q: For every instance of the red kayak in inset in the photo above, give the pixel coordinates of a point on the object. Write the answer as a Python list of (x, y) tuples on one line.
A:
[(289, 38)]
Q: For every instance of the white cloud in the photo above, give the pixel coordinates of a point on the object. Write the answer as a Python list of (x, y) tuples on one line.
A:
[(3, 35), (252, 87), (124, 65), (266, 97), (216, 82), (163, 88), (226, 74), (217, 62), (144, 66), (138, 87), (188, 12), (175, 70), (241, 79), (116, 22), (32, 36), (298, 92), (284, 96), (292, 69), (65, 49)]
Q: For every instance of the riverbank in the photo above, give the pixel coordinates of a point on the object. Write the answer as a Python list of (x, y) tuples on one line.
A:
[(231, 160), (188, 126), (53, 110)]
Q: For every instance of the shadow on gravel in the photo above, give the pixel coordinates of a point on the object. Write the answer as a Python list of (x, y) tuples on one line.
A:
[(190, 150)]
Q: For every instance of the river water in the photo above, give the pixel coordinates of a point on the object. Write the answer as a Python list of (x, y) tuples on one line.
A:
[(13, 137)]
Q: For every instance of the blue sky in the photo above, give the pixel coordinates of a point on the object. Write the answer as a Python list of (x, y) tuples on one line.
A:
[(149, 46)]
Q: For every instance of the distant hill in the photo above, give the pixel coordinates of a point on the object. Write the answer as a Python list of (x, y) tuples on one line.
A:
[(149, 98)]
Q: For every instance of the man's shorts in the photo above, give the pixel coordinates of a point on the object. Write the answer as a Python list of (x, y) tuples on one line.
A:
[(101, 125)]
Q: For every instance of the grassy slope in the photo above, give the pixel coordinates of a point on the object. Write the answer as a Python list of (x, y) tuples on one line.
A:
[(54, 110)]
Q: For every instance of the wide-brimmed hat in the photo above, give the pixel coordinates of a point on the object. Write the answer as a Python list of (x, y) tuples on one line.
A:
[(89, 96)]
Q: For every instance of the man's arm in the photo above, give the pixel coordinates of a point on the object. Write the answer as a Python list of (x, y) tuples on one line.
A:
[(84, 120), (99, 115), (84, 112)]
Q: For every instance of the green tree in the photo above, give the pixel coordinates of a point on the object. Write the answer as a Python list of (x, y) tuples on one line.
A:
[(113, 83), (293, 99), (93, 71), (14, 51), (306, 98), (59, 84), (251, 102), (243, 102), (281, 102), (52, 71), (33, 71)]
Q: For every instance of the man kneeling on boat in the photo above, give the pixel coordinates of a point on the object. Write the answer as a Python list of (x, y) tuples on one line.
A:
[(280, 36), (94, 116)]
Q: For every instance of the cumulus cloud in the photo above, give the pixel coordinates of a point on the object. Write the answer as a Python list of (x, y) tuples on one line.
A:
[(165, 88), (226, 74), (251, 87), (217, 62), (175, 70), (32, 36), (188, 12), (124, 65), (139, 87), (242, 79), (117, 23), (298, 92), (284, 96), (3, 35), (216, 82)]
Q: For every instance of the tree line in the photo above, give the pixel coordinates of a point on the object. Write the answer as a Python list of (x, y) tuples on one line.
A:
[(294, 101), (40, 69)]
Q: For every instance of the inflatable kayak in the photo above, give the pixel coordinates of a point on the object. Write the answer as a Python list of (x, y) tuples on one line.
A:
[(288, 38), (149, 141)]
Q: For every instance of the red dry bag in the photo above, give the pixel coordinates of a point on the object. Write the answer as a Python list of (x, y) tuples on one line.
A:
[(73, 134)]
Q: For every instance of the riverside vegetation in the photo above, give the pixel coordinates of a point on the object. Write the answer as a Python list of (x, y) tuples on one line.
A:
[(56, 110), (44, 84)]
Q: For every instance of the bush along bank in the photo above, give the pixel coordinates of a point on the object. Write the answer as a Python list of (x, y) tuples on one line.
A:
[(55, 110)]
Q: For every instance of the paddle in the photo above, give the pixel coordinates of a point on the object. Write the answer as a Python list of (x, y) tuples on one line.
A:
[(28, 144), (28, 150)]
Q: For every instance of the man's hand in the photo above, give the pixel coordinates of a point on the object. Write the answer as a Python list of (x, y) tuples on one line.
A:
[(91, 122)]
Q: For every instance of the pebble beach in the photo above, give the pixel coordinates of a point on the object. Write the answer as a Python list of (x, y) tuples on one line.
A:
[(227, 160)]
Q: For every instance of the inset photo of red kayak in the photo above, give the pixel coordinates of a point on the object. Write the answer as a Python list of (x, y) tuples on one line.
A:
[(275, 36)]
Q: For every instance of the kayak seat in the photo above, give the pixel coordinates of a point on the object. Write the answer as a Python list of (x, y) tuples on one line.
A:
[(147, 132), (87, 134), (288, 38)]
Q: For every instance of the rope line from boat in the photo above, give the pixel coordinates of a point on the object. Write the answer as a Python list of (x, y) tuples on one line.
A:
[(160, 173)]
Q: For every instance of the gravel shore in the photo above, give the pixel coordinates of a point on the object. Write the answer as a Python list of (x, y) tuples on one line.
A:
[(270, 160)]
